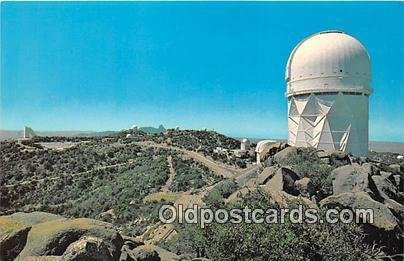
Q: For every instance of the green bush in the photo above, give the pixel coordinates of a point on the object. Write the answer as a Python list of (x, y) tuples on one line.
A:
[(120, 189), (271, 241), (306, 163), (221, 191), (191, 174)]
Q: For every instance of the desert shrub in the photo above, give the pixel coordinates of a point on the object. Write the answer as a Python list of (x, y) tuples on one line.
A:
[(191, 174), (202, 140), (221, 191), (121, 188), (123, 193), (306, 163), (265, 241)]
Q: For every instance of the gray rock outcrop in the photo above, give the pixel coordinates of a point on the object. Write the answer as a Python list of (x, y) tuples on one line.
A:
[(383, 218)]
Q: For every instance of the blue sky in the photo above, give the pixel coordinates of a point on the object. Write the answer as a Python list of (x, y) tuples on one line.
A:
[(106, 66)]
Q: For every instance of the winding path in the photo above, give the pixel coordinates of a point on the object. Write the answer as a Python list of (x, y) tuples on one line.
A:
[(218, 168), (166, 187)]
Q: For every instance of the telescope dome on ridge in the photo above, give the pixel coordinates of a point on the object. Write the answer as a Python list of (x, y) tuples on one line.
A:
[(328, 61), (328, 77)]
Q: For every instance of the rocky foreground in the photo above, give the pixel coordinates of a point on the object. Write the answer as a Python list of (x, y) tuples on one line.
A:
[(356, 183), (45, 236), (293, 175)]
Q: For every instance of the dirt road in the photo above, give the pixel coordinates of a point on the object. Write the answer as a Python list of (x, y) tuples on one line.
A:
[(218, 168)]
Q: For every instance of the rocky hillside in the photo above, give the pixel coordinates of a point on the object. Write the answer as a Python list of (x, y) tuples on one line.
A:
[(98, 198), (102, 179), (314, 179)]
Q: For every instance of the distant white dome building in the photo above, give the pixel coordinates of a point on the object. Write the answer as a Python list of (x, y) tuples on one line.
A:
[(328, 79), (245, 144)]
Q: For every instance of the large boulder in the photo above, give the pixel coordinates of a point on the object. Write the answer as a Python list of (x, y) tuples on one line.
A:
[(53, 237), (305, 187), (396, 168), (33, 218), (126, 254), (334, 157), (165, 255), (396, 208), (282, 156), (132, 242), (146, 253), (87, 248), (245, 178), (386, 188), (13, 236), (271, 149), (383, 219), (152, 252), (285, 200), (339, 158), (399, 181), (371, 168), (354, 178), (387, 175), (283, 180), (266, 175)]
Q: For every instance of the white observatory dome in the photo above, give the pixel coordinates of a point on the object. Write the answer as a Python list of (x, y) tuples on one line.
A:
[(328, 79), (329, 61)]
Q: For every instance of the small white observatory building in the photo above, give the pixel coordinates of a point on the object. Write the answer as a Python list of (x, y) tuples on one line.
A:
[(245, 144), (328, 79)]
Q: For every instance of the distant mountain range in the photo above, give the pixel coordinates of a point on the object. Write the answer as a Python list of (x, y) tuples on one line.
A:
[(160, 129)]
